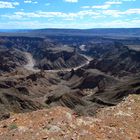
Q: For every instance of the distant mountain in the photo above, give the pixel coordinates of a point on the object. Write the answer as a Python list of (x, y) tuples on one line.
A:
[(97, 31), (119, 32)]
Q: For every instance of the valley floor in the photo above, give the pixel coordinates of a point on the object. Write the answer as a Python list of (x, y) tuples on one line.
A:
[(121, 122)]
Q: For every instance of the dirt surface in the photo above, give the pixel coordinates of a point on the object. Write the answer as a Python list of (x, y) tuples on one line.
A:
[(121, 122)]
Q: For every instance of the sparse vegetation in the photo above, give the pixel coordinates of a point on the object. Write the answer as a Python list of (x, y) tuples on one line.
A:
[(46, 106), (13, 126)]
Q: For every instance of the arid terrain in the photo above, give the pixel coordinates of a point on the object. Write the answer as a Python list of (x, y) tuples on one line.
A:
[(59, 123), (56, 85)]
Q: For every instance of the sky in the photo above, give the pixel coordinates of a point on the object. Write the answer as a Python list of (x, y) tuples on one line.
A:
[(81, 14)]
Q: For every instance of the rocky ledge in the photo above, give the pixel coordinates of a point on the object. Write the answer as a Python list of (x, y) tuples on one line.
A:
[(59, 123)]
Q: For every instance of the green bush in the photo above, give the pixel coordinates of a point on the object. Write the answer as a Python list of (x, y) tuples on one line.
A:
[(13, 126)]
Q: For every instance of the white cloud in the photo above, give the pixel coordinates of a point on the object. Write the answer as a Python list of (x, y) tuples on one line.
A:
[(27, 1), (113, 2), (71, 15), (30, 1), (47, 4), (113, 13), (41, 14), (118, 13), (129, 0), (38, 24), (121, 24), (35, 2), (72, 1), (4, 4), (106, 5), (86, 7), (131, 11)]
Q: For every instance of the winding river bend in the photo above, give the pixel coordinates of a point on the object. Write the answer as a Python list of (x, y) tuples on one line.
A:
[(31, 64)]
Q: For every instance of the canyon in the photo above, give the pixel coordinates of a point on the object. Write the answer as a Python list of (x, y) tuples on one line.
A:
[(78, 77)]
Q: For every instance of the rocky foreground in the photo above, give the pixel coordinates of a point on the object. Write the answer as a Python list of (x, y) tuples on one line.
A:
[(121, 122)]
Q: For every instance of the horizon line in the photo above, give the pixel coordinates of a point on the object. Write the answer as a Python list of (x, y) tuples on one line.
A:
[(71, 28)]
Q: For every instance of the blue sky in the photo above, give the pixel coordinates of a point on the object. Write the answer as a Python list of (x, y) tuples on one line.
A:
[(24, 14)]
